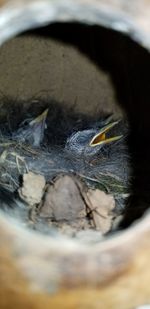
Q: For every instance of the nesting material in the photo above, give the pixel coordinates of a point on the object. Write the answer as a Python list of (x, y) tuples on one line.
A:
[(63, 200), (101, 206), (32, 189), (63, 189), (67, 204)]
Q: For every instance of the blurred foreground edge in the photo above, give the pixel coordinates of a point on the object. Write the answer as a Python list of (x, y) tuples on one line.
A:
[(130, 17)]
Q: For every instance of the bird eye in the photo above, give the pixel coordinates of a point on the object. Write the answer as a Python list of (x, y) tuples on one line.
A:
[(25, 122)]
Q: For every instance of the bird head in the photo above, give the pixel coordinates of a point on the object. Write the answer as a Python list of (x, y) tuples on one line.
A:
[(33, 132), (89, 142)]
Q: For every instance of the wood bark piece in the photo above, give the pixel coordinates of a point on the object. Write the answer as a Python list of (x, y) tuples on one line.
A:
[(63, 200), (101, 206), (32, 189), (67, 201)]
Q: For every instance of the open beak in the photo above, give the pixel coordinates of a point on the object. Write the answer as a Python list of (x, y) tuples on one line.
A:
[(40, 119), (101, 137)]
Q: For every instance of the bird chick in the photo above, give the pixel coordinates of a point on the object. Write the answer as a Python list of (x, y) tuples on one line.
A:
[(88, 143), (33, 132)]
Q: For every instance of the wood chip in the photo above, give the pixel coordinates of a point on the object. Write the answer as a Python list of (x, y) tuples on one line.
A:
[(101, 206), (63, 200), (32, 189)]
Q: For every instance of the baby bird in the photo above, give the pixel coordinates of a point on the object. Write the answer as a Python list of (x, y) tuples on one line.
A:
[(89, 142), (33, 132)]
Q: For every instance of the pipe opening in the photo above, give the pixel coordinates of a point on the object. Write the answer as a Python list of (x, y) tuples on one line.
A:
[(87, 77)]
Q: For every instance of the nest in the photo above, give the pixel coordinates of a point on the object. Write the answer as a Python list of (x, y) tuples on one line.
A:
[(109, 173)]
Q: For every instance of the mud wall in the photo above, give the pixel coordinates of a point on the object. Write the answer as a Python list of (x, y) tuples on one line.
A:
[(35, 66)]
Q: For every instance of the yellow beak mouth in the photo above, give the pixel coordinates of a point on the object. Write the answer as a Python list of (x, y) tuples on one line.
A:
[(101, 138), (41, 118)]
